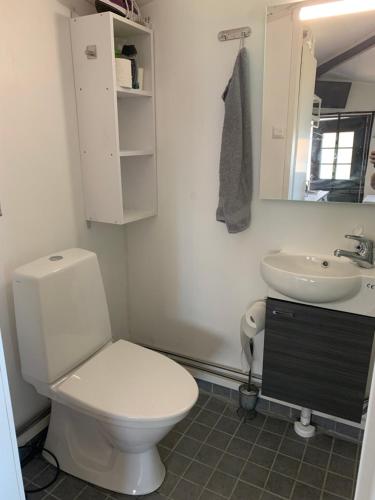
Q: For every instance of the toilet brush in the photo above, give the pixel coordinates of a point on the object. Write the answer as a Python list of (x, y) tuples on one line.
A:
[(248, 395)]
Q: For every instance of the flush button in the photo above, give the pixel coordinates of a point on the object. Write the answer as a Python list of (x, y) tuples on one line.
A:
[(54, 258)]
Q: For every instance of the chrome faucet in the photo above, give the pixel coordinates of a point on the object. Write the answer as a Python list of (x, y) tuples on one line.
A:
[(363, 254)]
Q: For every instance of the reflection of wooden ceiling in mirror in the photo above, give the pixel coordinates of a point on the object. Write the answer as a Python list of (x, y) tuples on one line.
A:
[(335, 35)]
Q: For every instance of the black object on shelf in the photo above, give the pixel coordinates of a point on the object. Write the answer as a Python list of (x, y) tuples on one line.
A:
[(130, 52)]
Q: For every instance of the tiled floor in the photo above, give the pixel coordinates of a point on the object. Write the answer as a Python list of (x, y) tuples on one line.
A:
[(213, 455)]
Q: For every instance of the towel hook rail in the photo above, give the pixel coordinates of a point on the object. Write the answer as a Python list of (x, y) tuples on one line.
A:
[(234, 34)]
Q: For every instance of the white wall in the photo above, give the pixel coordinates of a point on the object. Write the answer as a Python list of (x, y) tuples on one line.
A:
[(40, 184), (189, 280)]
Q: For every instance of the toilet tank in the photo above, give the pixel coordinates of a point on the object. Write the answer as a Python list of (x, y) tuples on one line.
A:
[(61, 313)]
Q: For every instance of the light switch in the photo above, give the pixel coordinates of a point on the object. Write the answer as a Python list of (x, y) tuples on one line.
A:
[(278, 133)]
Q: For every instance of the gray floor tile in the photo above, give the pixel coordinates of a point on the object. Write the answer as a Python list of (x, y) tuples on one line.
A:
[(186, 491), (231, 411), (177, 463), (345, 448), (218, 439), (92, 493), (194, 412), (261, 456), (202, 399), (46, 476), (169, 483), (207, 417), (286, 465), (69, 488), (244, 491), (311, 475), (183, 425), (221, 483), (209, 495), (35, 467), (254, 474), (198, 473), (198, 431), (208, 455), (216, 405), (329, 496), (342, 466), (171, 439), (188, 446), (304, 492), (248, 432), (279, 485), (258, 421), (227, 425), (317, 457), (152, 496), (231, 465), (269, 496), (163, 452), (275, 425), (231, 449), (269, 440), (347, 430), (123, 496), (339, 485), (240, 448), (37, 495), (292, 448), (321, 441), (291, 434)]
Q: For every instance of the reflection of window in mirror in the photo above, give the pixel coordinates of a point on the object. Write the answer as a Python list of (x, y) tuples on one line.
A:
[(319, 96), (339, 156)]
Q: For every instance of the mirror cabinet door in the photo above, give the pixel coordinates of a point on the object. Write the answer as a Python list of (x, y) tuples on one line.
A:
[(318, 107)]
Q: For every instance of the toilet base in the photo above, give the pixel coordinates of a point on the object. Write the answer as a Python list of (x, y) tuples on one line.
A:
[(83, 451)]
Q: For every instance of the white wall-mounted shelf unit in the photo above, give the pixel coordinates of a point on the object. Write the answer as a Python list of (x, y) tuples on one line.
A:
[(116, 125)]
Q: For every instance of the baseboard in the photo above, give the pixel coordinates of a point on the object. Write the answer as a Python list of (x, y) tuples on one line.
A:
[(28, 432)]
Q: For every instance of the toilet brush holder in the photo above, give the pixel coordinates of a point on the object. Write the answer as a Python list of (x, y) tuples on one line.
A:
[(248, 397)]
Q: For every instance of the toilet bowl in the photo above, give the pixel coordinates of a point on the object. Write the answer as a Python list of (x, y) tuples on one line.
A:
[(109, 414), (112, 402)]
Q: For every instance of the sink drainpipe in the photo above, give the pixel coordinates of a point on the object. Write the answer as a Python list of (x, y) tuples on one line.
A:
[(303, 426)]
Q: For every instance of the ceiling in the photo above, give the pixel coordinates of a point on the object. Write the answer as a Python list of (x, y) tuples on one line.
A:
[(335, 35)]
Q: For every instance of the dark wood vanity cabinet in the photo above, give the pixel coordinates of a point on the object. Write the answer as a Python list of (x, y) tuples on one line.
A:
[(317, 358)]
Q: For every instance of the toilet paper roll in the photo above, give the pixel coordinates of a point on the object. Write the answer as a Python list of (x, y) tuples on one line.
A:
[(124, 73), (255, 318)]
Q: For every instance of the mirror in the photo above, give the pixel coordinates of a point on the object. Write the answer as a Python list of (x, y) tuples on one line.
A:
[(319, 105)]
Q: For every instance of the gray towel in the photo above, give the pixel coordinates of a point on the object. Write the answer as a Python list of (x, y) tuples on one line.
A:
[(235, 161)]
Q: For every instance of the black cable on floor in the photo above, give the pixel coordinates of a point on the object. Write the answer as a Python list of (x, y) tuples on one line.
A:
[(34, 451)]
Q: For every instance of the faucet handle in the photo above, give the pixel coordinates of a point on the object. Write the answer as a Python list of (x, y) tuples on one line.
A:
[(356, 237)]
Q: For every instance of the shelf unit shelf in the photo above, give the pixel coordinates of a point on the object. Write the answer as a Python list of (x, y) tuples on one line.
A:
[(123, 93), (136, 215), (116, 125), (132, 153)]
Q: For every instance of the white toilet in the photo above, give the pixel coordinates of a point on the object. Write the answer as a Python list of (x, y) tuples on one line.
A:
[(111, 402)]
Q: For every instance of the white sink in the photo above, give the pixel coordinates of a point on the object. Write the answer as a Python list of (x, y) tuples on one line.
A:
[(309, 278)]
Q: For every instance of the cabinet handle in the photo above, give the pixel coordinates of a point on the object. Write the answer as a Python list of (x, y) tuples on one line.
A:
[(283, 314)]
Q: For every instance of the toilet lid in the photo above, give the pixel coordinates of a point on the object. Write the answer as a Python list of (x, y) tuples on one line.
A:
[(128, 382)]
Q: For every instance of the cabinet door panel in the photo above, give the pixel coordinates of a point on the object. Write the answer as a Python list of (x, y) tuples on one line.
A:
[(317, 358)]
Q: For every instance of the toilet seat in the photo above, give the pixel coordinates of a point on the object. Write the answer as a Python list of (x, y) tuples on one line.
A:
[(129, 384)]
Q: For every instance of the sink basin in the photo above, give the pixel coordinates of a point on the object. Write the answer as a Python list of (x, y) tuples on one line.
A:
[(309, 278)]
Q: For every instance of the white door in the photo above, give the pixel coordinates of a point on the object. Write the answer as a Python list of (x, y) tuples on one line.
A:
[(366, 475), (11, 486)]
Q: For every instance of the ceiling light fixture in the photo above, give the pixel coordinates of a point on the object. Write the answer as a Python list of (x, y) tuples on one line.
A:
[(339, 8)]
